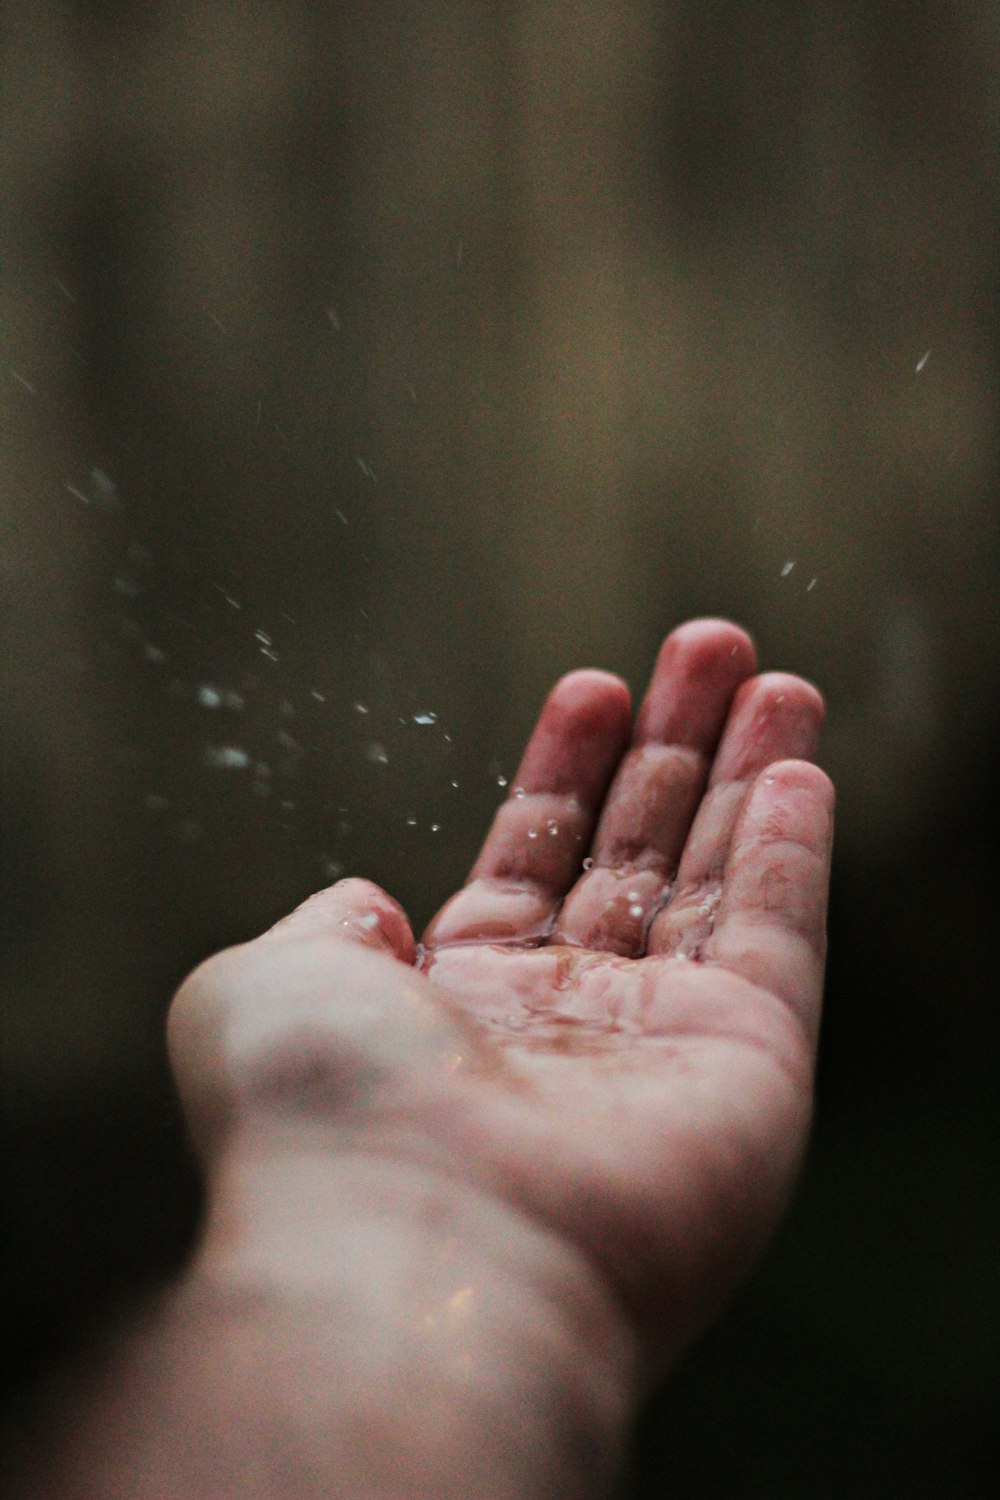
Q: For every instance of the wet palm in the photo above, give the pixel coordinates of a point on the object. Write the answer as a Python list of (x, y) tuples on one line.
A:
[(614, 1022), (464, 1199), (642, 941)]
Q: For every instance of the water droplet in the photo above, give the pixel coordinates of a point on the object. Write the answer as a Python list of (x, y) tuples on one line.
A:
[(501, 781), (209, 697), (519, 791), (263, 637), (23, 380), (811, 585), (377, 753), (588, 863), (787, 567), (435, 828), (532, 833), (922, 361), (411, 822), (106, 490), (226, 758), (360, 708), (369, 921), (635, 911), (320, 697), (425, 718)]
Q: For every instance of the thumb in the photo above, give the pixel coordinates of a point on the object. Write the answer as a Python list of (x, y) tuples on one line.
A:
[(356, 911)]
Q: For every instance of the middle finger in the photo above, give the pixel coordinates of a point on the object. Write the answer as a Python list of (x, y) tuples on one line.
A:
[(657, 789)]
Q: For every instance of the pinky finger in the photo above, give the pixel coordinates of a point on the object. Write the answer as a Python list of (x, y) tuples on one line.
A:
[(355, 911), (771, 923)]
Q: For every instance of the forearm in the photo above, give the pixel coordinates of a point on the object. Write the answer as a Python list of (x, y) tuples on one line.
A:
[(396, 1339)]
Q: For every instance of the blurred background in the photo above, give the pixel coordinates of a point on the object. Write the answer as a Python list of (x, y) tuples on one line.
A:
[(362, 368)]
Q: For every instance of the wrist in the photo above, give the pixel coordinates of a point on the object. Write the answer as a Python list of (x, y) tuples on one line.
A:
[(439, 1340)]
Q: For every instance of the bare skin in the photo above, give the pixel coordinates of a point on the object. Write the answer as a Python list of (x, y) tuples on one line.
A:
[(469, 1197)]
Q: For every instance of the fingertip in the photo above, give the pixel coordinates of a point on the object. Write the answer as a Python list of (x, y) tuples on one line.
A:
[(357, 891), (790, 798), (798, 771), (789, 687), (709, 637), (355, 910), (582, 730), (774, 716), (699, 668), (804, 775), (590, 690)]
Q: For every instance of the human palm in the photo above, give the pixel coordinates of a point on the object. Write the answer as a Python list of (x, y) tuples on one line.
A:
[(611, 1027)]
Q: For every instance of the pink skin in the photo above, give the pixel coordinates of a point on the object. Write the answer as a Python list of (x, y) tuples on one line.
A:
[(630, 978), (465, 1199)]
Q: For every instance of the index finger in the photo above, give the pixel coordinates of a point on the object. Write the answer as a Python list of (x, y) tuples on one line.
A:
[(540, 835)]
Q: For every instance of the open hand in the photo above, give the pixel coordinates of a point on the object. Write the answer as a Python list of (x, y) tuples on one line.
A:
[(611, 1028)]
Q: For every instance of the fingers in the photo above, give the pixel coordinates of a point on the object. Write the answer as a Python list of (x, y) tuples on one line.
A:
[(654, 796), (698, 669), (356, 911), (771, 921), (773, 717), (540, 834), (656, 850)]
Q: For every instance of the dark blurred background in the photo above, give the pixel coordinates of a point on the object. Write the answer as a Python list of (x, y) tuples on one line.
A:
[(363, 367)]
